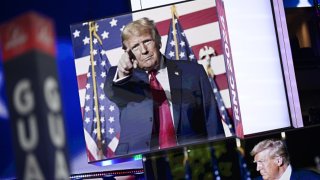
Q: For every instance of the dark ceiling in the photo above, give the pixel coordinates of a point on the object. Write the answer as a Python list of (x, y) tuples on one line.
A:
[(64, 13)]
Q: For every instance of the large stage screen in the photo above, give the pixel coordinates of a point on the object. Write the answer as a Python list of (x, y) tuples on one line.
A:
[(257, 66), (242, 46), (120, 115)]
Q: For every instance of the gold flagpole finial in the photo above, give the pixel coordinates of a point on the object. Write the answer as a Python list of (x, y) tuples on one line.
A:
[(93, 30), (174, 17), (174, 11), (209, 70), (185, 155)]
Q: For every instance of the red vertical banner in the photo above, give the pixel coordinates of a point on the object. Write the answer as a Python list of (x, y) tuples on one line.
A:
[(230, 70)]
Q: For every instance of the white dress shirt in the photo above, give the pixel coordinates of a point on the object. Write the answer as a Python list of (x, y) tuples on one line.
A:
[(287, 173)]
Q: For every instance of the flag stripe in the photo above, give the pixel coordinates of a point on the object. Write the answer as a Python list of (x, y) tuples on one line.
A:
[(225, 96), (113, 144), (230, 112), (82, 65), (222, 81), (82, 81), (82, 93), (217, 64), (190, 20)]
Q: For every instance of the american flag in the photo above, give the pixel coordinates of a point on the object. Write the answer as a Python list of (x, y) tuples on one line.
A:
[(214, 161), (200, 23), (186, 163), (244, 172), (178, 48), (108, 112)]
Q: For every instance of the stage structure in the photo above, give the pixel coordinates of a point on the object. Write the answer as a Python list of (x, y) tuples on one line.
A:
[(251, 75), (34, 97)]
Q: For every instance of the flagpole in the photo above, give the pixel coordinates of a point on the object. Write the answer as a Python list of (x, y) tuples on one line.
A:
[(187, 168), (185, 155), (210, 74), (92, 30), (175, 14)]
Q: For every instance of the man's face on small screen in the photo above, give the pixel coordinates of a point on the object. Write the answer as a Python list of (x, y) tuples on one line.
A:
[(145, 50), (266, 165)]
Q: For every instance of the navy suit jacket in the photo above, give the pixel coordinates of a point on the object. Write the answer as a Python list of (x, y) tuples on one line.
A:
[(304, 174), (194, 108), (301, 175)]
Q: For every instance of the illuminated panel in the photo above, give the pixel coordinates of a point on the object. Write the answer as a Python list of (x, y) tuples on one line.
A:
[(287, 64), (257, 65)]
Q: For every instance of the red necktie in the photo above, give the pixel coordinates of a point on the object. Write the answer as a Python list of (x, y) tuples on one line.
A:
[(162, 115)]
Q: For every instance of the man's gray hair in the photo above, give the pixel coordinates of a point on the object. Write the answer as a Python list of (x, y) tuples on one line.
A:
[(276, 147)]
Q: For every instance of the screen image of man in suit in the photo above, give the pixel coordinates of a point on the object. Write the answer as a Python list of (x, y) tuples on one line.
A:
[(163, 103), (272, 159)]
